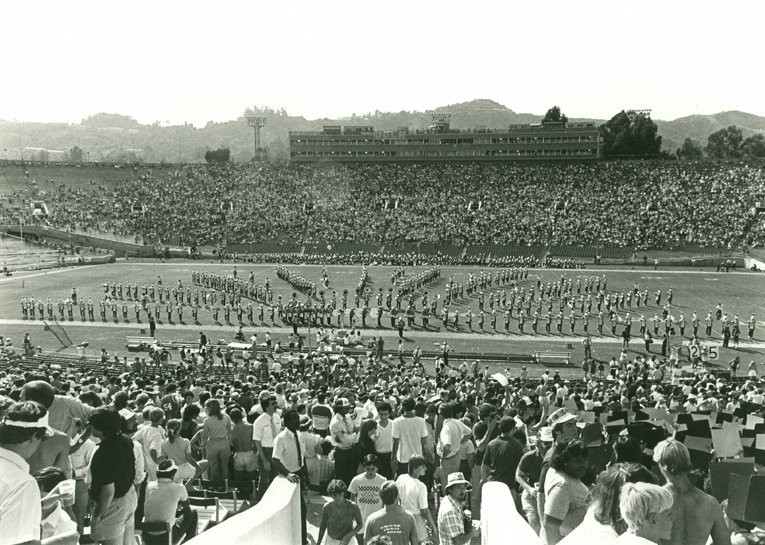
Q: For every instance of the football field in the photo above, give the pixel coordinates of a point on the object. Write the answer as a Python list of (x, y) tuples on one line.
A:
[(740, 293)]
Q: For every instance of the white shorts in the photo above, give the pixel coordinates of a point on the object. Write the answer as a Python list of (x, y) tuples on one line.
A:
[(245, 461)]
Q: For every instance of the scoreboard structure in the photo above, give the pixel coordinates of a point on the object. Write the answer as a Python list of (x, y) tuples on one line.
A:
[(552, 141)]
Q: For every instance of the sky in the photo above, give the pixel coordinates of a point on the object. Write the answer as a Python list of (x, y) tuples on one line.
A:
[(195, 62)]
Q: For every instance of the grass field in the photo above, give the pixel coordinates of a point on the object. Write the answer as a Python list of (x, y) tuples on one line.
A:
[(739, 292)]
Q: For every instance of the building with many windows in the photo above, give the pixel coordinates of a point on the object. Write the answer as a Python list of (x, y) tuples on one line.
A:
[(545, 142)]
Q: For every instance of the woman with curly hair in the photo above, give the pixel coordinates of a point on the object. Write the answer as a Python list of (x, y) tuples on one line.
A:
[(566, 497)]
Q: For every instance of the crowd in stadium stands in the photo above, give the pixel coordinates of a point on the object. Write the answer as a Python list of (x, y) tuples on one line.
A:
[(107, 446), (633, 205)]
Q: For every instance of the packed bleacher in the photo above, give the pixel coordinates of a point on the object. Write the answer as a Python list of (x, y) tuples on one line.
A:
[(637, 206), (198, 439)]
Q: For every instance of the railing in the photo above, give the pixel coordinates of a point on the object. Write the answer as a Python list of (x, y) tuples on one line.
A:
[(275, 520)]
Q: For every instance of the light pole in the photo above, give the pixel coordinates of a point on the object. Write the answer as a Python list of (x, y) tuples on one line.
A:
[(256, 122)]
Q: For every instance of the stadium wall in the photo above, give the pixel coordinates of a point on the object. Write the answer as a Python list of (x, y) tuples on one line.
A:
[(274, 520), (751, 262), (120, 249), (500, 519)]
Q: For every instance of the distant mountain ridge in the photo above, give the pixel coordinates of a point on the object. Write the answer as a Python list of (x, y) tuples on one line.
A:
[(115, 137)]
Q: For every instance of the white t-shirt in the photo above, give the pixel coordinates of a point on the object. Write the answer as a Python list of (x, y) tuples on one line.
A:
[(566, 499), (384, 441), (367, 494), (409, 431), (413, 494)]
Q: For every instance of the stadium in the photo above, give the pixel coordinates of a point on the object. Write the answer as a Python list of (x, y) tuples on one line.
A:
[(514, 271)]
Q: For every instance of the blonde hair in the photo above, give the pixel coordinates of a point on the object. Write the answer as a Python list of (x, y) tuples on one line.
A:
[(639, 500), (673, 457)]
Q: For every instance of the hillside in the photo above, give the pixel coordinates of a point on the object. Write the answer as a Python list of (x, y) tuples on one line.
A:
[(699, 127), (114, 137)]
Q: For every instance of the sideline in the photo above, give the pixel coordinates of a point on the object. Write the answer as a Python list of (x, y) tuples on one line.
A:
[(11, 279), (408, 334)]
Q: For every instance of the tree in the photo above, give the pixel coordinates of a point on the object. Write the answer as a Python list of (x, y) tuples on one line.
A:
[(221, 155), (554, 114), (725, 143), (630, 134), (691, 150), (75, 155), (754, 146)]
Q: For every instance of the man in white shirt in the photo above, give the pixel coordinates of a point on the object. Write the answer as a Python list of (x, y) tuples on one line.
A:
[(345, 434), (410, 436), (449, 441), (414, 496), (163, 500), (289, 459), (23, 429), (264, 430), (384, 441)]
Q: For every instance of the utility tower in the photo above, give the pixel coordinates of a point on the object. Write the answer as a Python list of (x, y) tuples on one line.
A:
[(256, 122)]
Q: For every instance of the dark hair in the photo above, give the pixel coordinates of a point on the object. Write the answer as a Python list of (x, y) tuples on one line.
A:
[(165, 473), (106, 420), (389, 493), (47, 478), (565, 450), (627, 449), (235, 413), (446, 410), (190, 412), (384, 406), (607, 492), (416, 461), (40, 391), (506, 424), (408, 404), (120, 400), (486, 410), (336, 486), (368, 460), (22, 411), (92, 399)]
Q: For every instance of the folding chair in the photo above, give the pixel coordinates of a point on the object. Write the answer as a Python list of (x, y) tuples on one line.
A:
[(159, 528)]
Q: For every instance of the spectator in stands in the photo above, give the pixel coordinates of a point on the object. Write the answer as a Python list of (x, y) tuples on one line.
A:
[(647, 510), (55, 449), (410, 436), (24, 427), (340, 518), (698, 516), (527, 475), (345, 435), (392, 521), (289, 459), (414, 497), (178, 449), (264, 430), (150, 437), (566, 495), (113, 473), (56, 491), (217, 433), (603, 522), (245, 459), (502, 456), (168, 501), (454, 527), (365, 489)]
